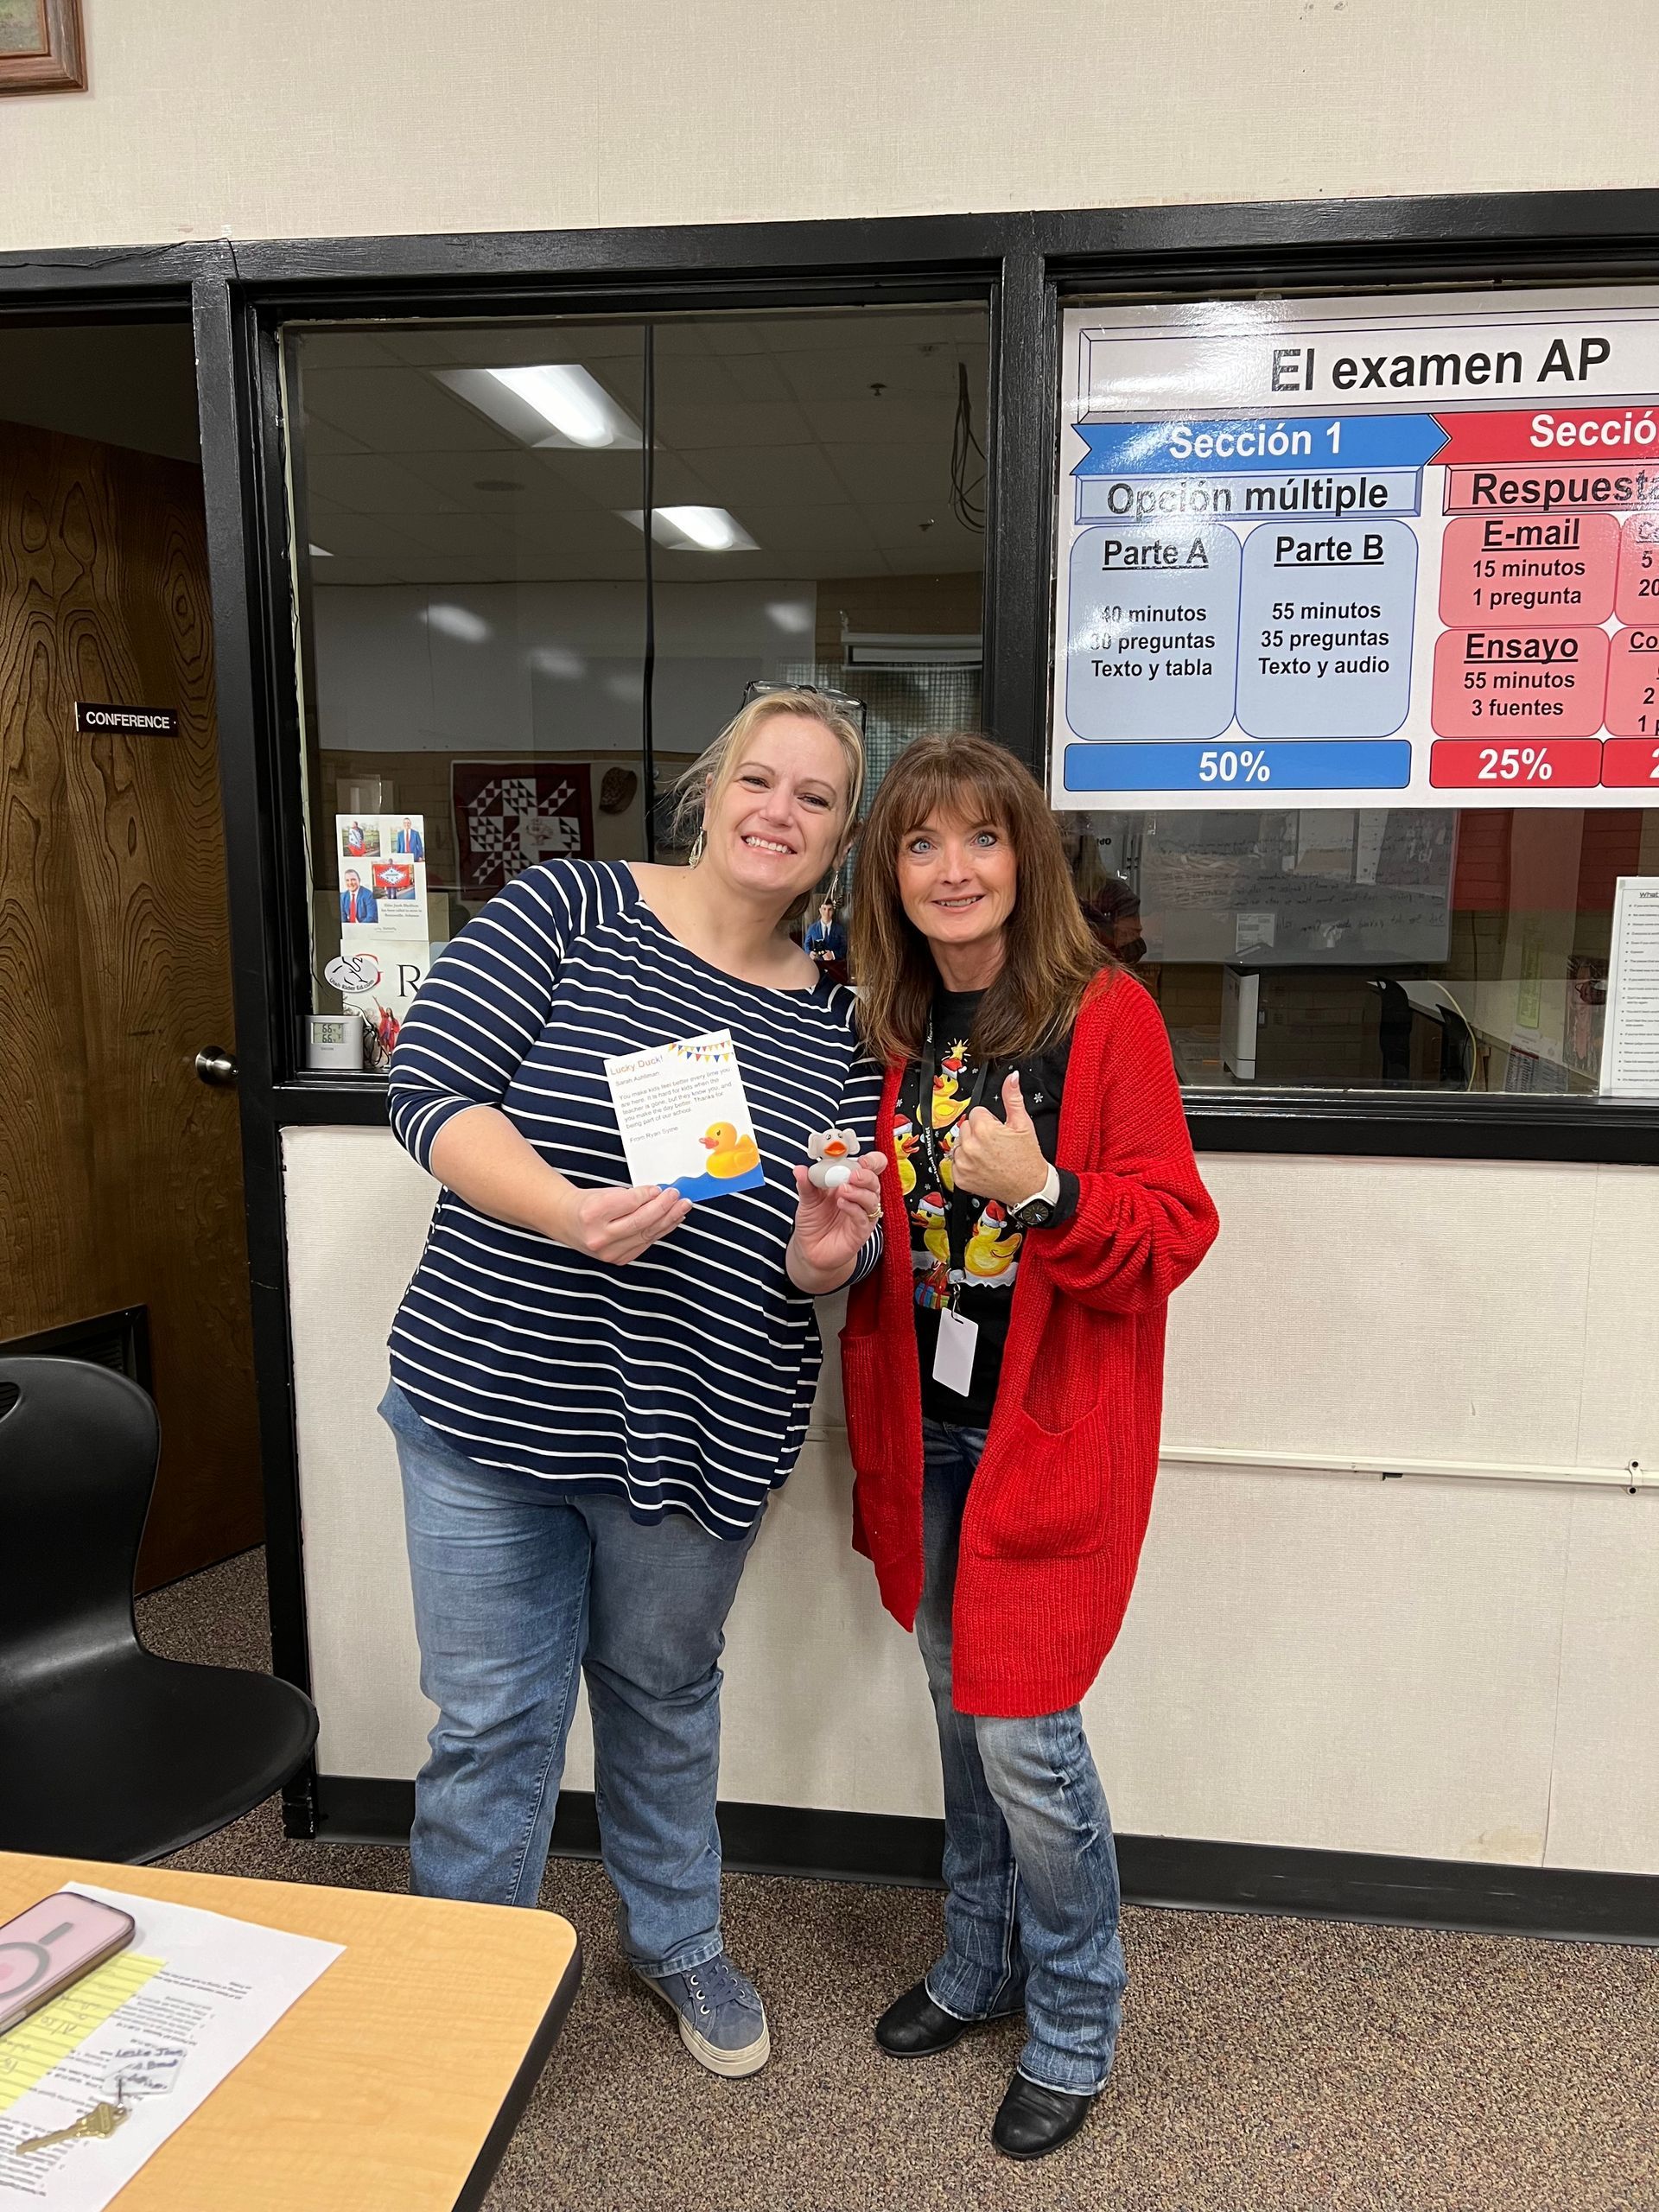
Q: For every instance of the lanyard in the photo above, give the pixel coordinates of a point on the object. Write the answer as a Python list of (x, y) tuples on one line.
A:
[(957, 1204)]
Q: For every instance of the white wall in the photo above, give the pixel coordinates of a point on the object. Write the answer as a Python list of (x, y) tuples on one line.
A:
[(338, 117), (1454, 1667)]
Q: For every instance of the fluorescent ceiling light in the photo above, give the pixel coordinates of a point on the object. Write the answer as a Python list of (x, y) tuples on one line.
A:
[(695, 530), (873, 649), (457, 622), (545, 404), (557, 660)]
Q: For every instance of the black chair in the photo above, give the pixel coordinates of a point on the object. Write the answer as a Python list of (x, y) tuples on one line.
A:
[(106, 1750)]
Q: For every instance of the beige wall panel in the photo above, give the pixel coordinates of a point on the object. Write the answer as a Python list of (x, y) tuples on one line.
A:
[(1619, 1411), (1605, 1807), (1431, 1308), (1312, 1659), (1341, 1662), (825, 1700), (366, 116), (357, 1208)]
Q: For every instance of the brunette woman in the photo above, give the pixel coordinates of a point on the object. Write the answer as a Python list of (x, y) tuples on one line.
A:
[(1003, 1374), (596, 1386)]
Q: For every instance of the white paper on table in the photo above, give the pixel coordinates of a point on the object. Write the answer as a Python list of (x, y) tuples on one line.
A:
[(1629, 1036), (221, 1987)]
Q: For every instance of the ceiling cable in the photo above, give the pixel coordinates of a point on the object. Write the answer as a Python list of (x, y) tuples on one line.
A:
[(967, 480)]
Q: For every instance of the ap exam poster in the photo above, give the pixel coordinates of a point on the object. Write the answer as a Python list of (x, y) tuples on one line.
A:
[(1360, 552)]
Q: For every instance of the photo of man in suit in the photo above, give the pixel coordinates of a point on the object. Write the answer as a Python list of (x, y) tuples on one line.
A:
[(825, 942), (409, 841), (356, 905)]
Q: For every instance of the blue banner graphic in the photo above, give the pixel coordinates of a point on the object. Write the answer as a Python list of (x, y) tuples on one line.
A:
[(1250, 773), (1257, 444)]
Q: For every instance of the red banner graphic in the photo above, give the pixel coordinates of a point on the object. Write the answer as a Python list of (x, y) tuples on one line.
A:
[(1581, 434)]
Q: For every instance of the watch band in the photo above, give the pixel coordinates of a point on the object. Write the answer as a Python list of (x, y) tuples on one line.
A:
[(1049, 1193)]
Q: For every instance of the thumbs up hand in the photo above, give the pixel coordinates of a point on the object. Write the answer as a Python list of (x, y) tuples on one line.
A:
[(995, 1159)]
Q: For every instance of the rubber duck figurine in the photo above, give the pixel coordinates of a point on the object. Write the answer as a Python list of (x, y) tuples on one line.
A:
[(989, 1252), (833, 1151), (729, 1154)]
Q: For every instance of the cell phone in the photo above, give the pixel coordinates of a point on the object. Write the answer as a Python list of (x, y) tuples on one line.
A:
[(53, 1944)]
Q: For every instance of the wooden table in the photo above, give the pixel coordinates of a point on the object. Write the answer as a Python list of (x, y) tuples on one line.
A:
[(395, 2082)]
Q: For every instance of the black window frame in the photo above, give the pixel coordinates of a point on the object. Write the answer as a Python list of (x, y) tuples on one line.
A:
[(1027, 267)]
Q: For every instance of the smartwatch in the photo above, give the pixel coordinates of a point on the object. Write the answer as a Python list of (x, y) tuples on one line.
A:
[(1037, 1210)]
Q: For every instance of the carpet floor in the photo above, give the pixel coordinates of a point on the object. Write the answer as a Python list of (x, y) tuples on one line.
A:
[(1266, 2065)]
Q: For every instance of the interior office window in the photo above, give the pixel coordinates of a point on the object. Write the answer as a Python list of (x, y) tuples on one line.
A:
[(1385, 948), (1355, 674), (475, 591)]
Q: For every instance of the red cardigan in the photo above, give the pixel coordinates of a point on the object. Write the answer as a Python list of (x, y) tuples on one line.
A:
[(1059, 1501)]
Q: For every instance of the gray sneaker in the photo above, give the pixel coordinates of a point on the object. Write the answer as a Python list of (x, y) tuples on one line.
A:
[(722, 2021)]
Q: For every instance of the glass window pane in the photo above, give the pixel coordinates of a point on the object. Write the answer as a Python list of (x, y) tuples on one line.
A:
[(1388, 948), (473, 602)]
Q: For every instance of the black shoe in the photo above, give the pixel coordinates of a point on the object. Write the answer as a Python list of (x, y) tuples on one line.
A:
[(1032, 2120), (914, 2026)]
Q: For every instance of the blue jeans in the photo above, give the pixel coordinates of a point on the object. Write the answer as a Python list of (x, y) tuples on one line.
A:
[(1030, 1867), (517, 1586)]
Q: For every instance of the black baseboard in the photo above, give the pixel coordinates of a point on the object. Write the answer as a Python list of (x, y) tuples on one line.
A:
[(1187, 1873), (756, 1838)]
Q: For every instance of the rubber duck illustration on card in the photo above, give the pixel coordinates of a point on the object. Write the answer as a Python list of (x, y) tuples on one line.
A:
[(729, 1154)]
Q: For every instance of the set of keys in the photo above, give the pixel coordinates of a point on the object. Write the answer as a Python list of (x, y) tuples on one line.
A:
[(103, 2120)]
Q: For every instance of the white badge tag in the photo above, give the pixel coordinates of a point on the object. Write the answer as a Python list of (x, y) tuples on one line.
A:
[(953, 1355)]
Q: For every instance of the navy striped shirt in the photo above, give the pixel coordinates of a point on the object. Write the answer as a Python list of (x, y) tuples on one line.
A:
[(683, 1380)]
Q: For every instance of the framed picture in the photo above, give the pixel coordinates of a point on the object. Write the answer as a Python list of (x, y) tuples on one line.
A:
[(41, 46), (511, 814)]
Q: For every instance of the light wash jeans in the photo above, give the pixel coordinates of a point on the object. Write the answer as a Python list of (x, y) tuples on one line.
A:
[(516, 1587), (1032, 1911)]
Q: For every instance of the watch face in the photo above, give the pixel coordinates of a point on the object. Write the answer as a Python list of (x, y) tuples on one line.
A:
[(1036, 1213)]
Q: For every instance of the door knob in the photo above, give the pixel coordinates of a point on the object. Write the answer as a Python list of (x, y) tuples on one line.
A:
[(217, 1066)]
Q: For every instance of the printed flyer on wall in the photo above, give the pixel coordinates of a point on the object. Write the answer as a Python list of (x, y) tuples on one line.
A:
[(381, 860), (1397, 551)]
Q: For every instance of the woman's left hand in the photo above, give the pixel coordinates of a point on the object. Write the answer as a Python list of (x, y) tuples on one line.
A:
[(1000, 1160), (832, 1227)]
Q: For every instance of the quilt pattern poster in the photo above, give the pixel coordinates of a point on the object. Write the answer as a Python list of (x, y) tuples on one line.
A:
[(511, 814)]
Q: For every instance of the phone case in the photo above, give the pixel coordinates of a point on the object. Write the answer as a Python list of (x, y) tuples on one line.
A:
[(51, 1945)]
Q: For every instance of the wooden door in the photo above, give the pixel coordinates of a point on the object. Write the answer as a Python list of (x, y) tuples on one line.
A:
[(120, 1172)]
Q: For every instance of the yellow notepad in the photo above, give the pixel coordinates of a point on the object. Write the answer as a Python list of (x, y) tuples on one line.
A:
[(36, 2045)]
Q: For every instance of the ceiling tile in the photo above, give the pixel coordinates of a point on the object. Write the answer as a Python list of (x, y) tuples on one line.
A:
[(369, 483), (736, 476), (401, 410), (515, 345)]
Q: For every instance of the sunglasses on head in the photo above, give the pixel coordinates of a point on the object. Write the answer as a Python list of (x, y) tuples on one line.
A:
[(854, 708)]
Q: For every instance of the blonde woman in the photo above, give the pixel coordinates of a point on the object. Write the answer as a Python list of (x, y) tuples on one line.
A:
[(596, 1388)]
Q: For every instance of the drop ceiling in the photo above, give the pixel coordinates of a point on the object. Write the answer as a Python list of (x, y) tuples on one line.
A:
[(828, 436)]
